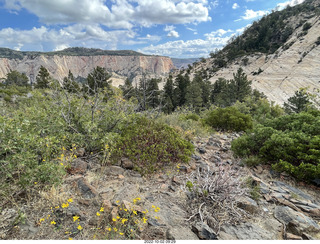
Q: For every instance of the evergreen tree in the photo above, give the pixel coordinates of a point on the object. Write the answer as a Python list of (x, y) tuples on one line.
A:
[(193, 96), (16, 78), (168, 95), (152, 92), (218, 86), (127, 89), (70, 84), (242, 86), (298, 103), (180, 91), (98, 79), (43, 78)]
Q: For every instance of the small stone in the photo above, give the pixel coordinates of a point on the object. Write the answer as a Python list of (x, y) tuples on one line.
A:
[(73, 210), (86, 189), (196, 157), (121, 177), (176, 180), (293, 237), (126, 163), (202, 150), (78, 166), (183, 168), (115, 170), (193, 167), (107, 205), (80, 152)]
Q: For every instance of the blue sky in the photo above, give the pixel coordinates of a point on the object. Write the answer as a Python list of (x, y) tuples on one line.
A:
[(175, 28)]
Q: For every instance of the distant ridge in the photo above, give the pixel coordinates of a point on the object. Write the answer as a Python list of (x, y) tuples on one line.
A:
[(73, 51)]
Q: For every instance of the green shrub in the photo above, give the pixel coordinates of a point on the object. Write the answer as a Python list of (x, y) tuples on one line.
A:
[(291, 143), (192, 116), (151, 145), (229, 119)]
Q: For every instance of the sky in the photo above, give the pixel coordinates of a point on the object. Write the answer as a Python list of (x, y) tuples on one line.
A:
[(174, 28)]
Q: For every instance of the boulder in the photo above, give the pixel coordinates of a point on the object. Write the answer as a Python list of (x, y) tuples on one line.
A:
[(248, 204), (180, 233), (204, 232), (87, 190), (126, 163), (246, 231), (78, 166), (296, 222)]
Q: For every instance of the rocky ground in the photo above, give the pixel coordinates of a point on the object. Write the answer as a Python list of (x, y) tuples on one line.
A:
[(242, 203)]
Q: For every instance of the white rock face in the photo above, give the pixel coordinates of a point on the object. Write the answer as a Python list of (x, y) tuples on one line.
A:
[(285, 71), (59, 66)]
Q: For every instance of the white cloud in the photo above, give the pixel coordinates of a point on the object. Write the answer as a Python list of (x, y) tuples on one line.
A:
[(75, 35), (173, 34), (250, 14), (235, 6), (291, 3), (171, 31), (192, 48), (121, 13)]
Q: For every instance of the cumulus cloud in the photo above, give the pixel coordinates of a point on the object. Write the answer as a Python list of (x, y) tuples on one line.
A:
[(171, 31), (193, 48), (76, 35), (250, 14), (120, 14), (291, 3), (235, 6)]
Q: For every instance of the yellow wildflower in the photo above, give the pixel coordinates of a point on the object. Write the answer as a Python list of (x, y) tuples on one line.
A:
[(65, 205), (41, 220), (57, 207), (153, 206), (98, 214), (135, 212), (125, 209), (101, 209), (115, 229), (53, 222), (79, 227), (75, 218), (144, 220), (118, 217), (113, 219), (124, 220), (70, 200), (121, 233), (61, 164), (109, 229), (157, 209), (157, 217), (35, 183), (70, 239)]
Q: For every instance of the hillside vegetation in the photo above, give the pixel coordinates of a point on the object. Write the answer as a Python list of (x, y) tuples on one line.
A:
[(269, 33)]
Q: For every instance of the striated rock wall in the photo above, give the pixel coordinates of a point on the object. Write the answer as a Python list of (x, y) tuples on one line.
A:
[(59, 66), (286, 70)]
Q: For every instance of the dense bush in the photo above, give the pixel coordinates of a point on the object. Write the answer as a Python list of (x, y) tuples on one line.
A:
[(291, 143), (229, 119), (151, 145)]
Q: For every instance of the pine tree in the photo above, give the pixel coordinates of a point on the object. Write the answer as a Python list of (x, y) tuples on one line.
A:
[(193, 96), (43, 78), (180, 91), (242, 86), (298, 103), (16, 78), (98, 79), (127, 89), (152, 92), (70, 84), (168, 95)]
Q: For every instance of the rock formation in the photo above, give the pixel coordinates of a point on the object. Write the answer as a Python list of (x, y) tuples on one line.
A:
[(59, 66)]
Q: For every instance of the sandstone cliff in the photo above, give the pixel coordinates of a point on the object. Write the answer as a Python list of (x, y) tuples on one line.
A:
[(285, 71), (59, 66), (293, 65)]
